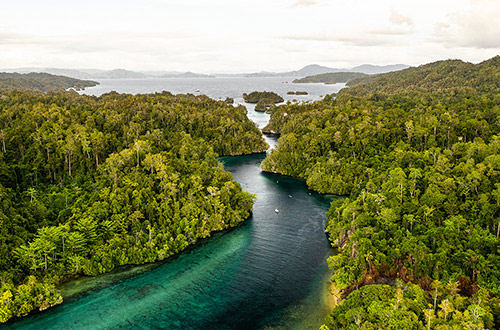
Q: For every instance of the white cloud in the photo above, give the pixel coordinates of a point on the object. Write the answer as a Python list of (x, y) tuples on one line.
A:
[(240, 36), (342, 38), (306, 3), (399, 19), (478, 27)]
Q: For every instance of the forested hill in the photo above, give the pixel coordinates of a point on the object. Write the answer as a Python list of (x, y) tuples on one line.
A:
[(41, 81), (91, 183), (442, 76), (417, 154), (332, 77)]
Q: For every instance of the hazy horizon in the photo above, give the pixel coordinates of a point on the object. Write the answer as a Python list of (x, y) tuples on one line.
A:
[(225, 36), (180, 72)]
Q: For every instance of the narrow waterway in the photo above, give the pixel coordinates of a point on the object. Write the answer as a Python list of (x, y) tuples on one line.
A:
[(268, 273)]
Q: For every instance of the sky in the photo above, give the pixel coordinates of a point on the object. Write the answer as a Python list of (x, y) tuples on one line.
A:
[(244, 36)]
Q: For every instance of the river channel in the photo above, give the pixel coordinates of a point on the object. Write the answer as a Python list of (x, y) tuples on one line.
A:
[(268, 273)]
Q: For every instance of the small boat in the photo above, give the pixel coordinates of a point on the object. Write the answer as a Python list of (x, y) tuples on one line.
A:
[(276, 210), (289, 196)]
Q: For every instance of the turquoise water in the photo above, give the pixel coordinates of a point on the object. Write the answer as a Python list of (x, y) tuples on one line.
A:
[(270, 272)]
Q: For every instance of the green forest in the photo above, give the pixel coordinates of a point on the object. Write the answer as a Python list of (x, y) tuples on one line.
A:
[(41, 81), (89, 183), (417, 155), (332, 77)]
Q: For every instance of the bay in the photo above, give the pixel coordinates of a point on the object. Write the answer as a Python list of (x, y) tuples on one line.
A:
[(216, 88), (268, 273)]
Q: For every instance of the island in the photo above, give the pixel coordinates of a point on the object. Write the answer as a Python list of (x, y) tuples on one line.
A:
[(263, 100), (187, 75), (269, 97), (41, 81), (262, 105)]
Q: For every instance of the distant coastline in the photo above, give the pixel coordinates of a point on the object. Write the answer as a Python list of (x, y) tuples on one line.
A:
[(119, 73)]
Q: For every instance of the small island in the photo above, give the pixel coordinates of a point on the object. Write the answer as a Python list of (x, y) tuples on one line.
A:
[(261, 105), (297, 93), (254, 97), (263, 100)]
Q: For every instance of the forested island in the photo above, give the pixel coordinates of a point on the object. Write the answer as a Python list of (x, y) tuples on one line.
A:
[(88, 184), (416, 152), (41, 81), (331, 78), (263, 99), (270, 97)]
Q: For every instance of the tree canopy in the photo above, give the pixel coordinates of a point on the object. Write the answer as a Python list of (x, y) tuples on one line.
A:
[(416, 154), (88, 184), (332, 77)]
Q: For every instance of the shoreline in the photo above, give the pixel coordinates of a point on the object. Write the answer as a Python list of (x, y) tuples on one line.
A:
[(118, 273), (128, 268)]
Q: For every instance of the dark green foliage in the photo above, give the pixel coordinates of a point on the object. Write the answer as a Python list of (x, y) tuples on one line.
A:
[(267, 97), (91, 183), (41, 81), (361, 80), (261, 105), (453, 76), (331, 77), (407, 306), (417, 152), (380, 307)]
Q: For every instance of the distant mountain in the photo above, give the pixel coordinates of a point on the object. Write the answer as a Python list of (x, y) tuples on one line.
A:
[(81, 73), (120, 74), (315, 69), (376, 69), (109, 74), (160, 73), (68, 73), (187, 75), (261, 74), (331, 77), (309, 70), (41, 81), (72, 73)]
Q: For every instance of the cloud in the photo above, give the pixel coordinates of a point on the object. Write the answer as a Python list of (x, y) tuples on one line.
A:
[(399, 19), (390, 31), (12, 38), (95, 42), (382, 36), (478, 28), (194, 35), (349, 39), (306, 3)]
